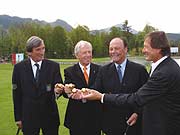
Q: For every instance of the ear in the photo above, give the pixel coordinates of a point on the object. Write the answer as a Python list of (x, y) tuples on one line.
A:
[(126, 49), (76, 55), (158, 51), (28, 53)]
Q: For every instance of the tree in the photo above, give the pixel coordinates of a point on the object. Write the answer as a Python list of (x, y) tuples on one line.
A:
[(80, 33), (115, 32), (58, 42)]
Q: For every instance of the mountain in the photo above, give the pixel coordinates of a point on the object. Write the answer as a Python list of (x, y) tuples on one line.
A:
[(108, 29), (173, 36), (62, 23), (6, 21)]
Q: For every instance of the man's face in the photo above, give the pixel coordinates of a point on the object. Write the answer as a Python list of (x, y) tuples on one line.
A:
[(85, 55), (37, 53), (117, 51), (151, 54)]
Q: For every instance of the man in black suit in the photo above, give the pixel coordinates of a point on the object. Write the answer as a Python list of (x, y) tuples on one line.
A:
[(82, 117), (33, 82), (133, 76), (160, 96)]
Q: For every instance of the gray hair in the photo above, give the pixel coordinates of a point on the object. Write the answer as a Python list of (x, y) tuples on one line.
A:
[(32, 42), (81, 44)]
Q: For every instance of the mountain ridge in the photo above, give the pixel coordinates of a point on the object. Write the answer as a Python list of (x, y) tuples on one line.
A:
[(6, 21)]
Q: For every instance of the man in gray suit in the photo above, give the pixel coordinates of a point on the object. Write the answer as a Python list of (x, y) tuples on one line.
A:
[(33, 82), (160, 96)]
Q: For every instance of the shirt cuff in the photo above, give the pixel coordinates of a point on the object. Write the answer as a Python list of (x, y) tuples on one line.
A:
[(102, 98)]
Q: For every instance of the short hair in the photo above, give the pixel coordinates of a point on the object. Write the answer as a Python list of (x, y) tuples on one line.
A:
[(124, 40), (33, 42), (79, 45), (159, 40)]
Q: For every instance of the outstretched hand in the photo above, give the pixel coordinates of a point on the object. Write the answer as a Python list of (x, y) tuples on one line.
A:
[(92, 95), (89, 94)]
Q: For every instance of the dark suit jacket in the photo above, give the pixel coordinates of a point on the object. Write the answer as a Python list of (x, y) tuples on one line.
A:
[(160, 98), (34, 104), (135, 75), (82, 116)]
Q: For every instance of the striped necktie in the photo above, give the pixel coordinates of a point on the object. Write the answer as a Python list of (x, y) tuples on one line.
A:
[(119, 72), (85, 74)]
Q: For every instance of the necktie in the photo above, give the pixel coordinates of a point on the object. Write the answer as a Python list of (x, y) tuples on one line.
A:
[(37, 72), (85, 74), (119, 72), (150, 71)]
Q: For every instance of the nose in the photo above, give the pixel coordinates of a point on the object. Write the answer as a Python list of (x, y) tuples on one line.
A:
[(143, 50)]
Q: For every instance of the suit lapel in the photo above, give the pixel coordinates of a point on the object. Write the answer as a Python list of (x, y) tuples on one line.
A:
[(92, 74), (115, 82), (79, 73), (113, 73), (128, 64), (43, 70), (29, 71)]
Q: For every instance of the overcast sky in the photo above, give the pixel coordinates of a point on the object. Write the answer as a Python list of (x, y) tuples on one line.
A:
[(97, 14)]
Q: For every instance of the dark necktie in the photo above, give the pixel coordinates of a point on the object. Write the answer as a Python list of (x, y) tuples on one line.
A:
[(37, 72), (119, 72)]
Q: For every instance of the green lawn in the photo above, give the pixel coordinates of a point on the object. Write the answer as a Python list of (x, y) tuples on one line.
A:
[(7, 124)]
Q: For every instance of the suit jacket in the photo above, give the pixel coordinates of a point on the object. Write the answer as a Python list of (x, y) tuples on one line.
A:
[(34, 104), (160, 98), (135, 75), (79, 115)]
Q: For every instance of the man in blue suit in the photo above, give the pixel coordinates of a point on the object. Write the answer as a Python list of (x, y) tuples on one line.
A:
[(33, 82), (160, 96)]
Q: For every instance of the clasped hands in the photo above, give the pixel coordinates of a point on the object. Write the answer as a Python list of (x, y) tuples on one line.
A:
[(87, 94), (74, 93)]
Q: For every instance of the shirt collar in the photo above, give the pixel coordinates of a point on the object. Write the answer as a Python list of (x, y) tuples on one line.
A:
[(154, 65), (33, 62), (81, 66), (123, 64)]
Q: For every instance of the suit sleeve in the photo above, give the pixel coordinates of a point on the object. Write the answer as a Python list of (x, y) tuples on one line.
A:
[(57, 77), (143, 77), (155, 87), (67, 79), (17, 94)]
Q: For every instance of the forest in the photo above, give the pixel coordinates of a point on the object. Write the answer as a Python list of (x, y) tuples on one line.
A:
[(60, 43)]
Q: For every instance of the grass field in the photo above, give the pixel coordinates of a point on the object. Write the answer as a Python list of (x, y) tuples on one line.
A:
[(7, 124)]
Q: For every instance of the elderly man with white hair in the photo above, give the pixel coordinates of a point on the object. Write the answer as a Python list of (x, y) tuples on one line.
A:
[(82, 117)]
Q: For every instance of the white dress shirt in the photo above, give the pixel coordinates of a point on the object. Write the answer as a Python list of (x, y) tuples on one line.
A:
[(34, 67)]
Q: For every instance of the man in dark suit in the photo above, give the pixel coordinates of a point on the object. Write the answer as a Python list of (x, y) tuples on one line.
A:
[(82, 117), (133, 76), (160, 96), (33, 82)]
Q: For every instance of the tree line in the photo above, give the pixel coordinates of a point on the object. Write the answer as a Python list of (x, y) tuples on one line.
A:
[(60, 43)]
